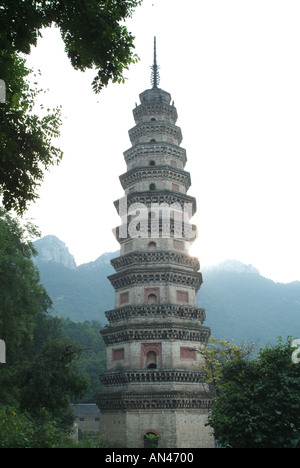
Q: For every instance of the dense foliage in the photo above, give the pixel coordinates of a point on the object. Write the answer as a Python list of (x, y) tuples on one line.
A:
[(95, 37), (93, 357), (215, 354), (258, 400), (26, 139), (93, 31), (20, 430), (42, 374)]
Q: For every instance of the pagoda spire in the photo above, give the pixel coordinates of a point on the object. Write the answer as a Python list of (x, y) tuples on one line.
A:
[(155, 78)]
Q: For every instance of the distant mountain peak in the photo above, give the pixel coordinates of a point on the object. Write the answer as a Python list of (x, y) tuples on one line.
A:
[(104, 259), (52, 249), (233, 266)]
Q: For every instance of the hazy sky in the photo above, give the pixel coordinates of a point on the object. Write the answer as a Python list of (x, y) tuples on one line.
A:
[(233, 70)]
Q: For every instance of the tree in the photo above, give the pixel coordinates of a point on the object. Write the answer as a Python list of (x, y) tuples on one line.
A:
[(93, 357), (95, 37), (26, 139), (93, 31), (19, 430), (51, 379), (258, 405), (215, 354), (41, 374), (22, 297)]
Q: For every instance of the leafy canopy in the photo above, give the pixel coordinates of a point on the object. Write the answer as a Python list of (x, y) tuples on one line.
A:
[(215, 354), (93, 31), (95, 37), (26, 139), (258, 402), (22, 297), (42, 366)]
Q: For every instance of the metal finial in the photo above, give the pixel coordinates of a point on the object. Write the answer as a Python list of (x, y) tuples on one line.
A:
[(155, 78)]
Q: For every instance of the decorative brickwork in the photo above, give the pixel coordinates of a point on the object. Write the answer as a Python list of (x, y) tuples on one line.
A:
[(159, 197), (161, 331), (147, 151), (157, 257), (164, 173), (126, 279), (155, 400), (158, 312), (158, 375), (157, 129), (148, 111)]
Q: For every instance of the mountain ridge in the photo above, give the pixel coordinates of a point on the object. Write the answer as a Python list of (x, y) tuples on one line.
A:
[(232, 265), (240, 304), (52, 249)]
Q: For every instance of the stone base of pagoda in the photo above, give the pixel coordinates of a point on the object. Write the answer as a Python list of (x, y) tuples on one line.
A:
[(178, 419)]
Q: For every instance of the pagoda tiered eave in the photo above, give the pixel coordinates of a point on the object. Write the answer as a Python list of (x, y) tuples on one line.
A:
[(144, 258), (152, 110), (158, 197), (162, 331), (117, 378), (163, 172), (165, 130), (156, 312), (171, 400), (139, 275), (165, 150)]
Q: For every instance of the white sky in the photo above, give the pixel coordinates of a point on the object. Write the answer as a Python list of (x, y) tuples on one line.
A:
[(233, 70)]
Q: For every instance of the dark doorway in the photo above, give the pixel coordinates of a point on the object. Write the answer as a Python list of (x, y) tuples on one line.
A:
[(150, 440), (151, 360)]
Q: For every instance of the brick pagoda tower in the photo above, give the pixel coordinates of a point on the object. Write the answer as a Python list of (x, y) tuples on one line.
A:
[(153, 381)]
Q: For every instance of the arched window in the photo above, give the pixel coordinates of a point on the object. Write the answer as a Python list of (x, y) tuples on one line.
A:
[(152, 163), (152, 245), (151, 356), (152, 299), (151, 362), (151, 440), (152, 187), (153, 119)]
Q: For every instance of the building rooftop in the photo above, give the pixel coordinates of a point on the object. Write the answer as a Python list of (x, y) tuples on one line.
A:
[(88, 408)]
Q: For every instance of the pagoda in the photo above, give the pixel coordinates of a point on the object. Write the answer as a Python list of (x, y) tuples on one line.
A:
[(153, 389)]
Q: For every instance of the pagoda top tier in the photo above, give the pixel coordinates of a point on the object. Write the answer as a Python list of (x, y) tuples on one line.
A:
[(155, 95), (155, 105)]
